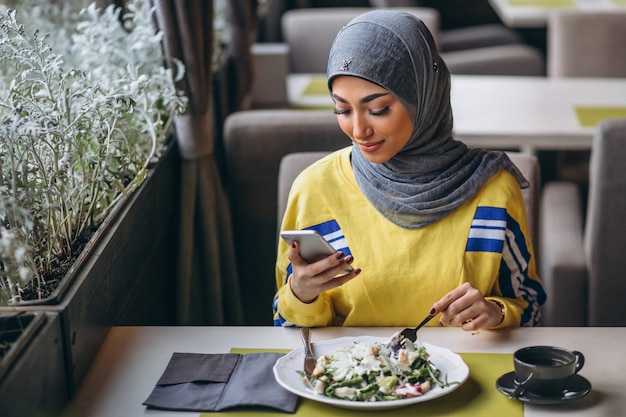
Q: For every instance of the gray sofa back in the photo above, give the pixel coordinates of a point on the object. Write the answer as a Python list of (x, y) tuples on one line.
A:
[(310, 32), (582, 257), (254, 143), (604, 233)]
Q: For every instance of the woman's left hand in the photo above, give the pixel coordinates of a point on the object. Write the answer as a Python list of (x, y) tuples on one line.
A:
[(465, 306)]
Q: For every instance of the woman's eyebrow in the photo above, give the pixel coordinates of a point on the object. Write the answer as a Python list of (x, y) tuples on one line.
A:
[(364, 100)]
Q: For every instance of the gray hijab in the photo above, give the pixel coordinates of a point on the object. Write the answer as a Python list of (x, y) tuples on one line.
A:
[(433, 174)]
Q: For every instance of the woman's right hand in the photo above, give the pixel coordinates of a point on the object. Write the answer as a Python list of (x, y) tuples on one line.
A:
[(308, 280)]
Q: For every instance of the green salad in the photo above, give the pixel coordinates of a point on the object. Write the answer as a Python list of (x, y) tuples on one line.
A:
[(376, 372)]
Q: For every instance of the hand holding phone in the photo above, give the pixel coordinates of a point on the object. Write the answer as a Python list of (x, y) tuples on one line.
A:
[(313, 246)]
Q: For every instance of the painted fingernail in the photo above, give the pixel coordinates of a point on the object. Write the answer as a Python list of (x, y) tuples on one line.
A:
[(358, 271), (441, 324), (339, 255), (432, 311), (293, 245), (349, 259)]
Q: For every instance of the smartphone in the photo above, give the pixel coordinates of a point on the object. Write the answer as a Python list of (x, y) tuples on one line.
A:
[(313, 246)]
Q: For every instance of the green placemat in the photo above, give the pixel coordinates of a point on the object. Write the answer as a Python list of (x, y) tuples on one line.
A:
[(316, 87), (543, 3), (478, 396), (589, 116)]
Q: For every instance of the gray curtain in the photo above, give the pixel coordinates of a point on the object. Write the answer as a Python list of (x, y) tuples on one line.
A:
[(242, 18), (207, 283)]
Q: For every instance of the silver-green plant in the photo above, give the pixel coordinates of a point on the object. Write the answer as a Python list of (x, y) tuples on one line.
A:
[(82, 118), (17, 264)]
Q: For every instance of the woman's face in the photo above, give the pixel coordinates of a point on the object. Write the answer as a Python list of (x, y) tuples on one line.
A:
[(372, 117)]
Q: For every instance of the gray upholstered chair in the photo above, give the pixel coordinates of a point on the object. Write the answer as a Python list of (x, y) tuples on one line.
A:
[(254, 143), (584, 44), (582, 254), (292, 164), (511, 59), (310, 32), (587, 44), (465, 37), (477, 36)]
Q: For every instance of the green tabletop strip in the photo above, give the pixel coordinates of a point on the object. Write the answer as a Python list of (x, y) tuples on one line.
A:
[(590, 116)]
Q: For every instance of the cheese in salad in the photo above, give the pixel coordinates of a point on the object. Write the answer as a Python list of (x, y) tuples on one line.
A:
[(376, 372)]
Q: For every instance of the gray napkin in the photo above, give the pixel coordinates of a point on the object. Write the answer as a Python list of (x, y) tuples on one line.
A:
[(215, 382)]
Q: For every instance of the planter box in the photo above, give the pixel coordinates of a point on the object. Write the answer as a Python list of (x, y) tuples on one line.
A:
[(32, 372), (132, 260)]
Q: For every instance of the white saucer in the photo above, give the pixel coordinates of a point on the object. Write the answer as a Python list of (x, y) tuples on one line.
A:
[(577, 388)]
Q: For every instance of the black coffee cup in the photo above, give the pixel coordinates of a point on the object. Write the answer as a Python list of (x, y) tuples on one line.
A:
[(546, 370)]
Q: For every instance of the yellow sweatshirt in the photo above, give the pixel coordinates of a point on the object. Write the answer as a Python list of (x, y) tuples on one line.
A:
[(485, 242)]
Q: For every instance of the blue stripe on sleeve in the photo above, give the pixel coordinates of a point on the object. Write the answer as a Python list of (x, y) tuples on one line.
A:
[(487, 230)]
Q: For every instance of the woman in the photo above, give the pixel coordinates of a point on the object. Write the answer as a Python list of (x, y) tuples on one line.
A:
[(430, 226)]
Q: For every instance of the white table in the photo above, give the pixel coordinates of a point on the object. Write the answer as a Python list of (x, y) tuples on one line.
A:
[(510, 112), (132, 359), (535, 14)]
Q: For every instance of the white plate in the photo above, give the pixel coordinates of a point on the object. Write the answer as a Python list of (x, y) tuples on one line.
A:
[(286, 373)]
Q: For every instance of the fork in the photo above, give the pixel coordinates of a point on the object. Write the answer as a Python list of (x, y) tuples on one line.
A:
[(411, 333), (309, 358)]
